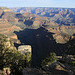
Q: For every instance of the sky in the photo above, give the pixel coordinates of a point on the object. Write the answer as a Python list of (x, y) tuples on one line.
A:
[(38, 3)]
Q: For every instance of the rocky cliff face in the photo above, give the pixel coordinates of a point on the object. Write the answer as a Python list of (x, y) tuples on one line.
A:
[(6, 27), (42, 43), (10, 22), (60, 15), (62, 34), (59, 21), (24, 49), (47, 30)]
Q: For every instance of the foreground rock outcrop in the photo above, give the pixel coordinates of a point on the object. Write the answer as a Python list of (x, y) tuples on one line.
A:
[(24, 49)]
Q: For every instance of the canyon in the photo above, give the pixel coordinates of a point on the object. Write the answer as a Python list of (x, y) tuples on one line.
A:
[(45, 29)]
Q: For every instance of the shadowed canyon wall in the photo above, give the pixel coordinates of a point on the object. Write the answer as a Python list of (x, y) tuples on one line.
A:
[(42, 43)]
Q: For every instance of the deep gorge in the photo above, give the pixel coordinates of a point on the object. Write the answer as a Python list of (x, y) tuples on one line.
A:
[(42, 43)]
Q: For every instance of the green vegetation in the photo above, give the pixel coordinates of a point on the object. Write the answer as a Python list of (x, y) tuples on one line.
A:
[(28, 59), (71, 47), (72, 63), (48, 60), (10, 57)]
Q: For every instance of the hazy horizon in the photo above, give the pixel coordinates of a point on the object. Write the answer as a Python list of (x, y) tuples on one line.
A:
[(38, 3)]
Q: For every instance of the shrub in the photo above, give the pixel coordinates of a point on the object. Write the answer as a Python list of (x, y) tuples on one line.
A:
[(48, 60)]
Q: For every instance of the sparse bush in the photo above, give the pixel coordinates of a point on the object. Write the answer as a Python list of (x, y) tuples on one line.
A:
[(10, 57), (48, 60)]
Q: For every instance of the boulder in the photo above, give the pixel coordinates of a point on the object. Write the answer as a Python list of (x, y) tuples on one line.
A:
[(25, 49)]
